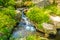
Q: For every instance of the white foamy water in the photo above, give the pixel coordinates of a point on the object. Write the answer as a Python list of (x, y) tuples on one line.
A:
[(24, 28)]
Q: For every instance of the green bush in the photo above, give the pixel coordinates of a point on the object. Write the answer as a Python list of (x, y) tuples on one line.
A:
[(6, 24), (38, 15), (31, 37), (10, 11), (6, 3), (53, 10), (7, 21), (7, 18)]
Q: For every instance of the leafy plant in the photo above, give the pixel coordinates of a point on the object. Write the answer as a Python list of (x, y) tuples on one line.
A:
[(7, 18), (6, 25), (10, 11)]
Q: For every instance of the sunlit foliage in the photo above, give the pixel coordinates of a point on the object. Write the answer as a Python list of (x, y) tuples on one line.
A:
[(38, 15), (7, 18), (6, 3)]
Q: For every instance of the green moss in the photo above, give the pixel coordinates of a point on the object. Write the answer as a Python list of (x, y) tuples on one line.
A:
[(7, 21), (6, 3), (10, 11), (58, 12), (31, 37), (7, 18), (34, 37), (53, 10), (38, 15)]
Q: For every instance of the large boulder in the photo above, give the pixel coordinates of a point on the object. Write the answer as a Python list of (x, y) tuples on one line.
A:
[(49, 28)]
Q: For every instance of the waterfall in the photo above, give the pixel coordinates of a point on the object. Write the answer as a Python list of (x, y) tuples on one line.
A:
[(25, 28)]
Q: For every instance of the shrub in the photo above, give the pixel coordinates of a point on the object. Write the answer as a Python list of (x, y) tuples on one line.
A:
[(10, 11), (6, 25), (6, 3), (7, 22), (7, 18)]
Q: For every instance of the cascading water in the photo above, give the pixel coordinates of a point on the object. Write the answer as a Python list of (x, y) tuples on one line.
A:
[(24, 28)]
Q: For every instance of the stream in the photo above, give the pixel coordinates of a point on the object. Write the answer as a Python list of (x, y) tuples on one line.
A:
[(24, 28)]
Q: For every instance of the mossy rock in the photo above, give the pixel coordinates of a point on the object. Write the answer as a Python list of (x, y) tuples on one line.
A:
[(38, 16), (7, 22)]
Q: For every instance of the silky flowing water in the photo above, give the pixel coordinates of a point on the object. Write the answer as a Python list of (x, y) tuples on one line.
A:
[(24, 29)]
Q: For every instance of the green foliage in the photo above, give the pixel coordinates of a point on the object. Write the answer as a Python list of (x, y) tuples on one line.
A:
[(7, 18), (7, 3), (31, 37), (10, 11), (52, 9), (34, 37), (6, 25), (11, 3), (29, 4), (58, 12), (38, 15)]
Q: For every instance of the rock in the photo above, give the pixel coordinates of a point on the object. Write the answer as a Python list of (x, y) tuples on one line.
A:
[(18, 15), (17, 11), (56, 21), (49, 28), (58, 25), (55, 18)]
